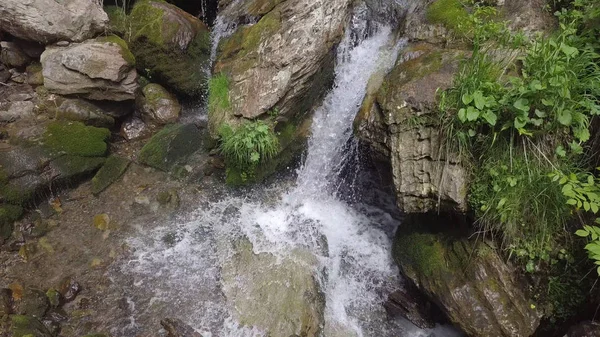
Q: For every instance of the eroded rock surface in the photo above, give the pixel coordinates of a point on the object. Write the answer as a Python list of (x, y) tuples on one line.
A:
[(399, 119), (48, 21)]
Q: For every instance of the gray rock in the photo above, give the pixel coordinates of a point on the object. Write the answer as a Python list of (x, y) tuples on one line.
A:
[(12, 55), (4, 74), (286, 59), (47, 21), (28, 326), (176, 328), (18, 97), (157, 106), (31, 48), (83, 111), (411, 305), (400, 123), (471, 283), (584, 329), (5, 302), (96, 69), (171, 146), (17, 110), (134, 128), (33, 303)]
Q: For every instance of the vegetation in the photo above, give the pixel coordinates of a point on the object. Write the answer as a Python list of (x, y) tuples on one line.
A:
[(520, 109), (75, 138), (248, 146), (218, 89)]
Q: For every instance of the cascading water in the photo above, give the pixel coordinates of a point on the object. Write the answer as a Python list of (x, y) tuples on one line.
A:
[(351, 242)]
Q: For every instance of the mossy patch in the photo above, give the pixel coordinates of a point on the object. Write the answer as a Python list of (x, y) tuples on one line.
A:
[(75, 138), (450, 13), (27, 326), (125, 52), (218, 93), (424, 253), (117, 20), (8, 215), (172, 145), (247, 39), (111, 171), (74, 167)]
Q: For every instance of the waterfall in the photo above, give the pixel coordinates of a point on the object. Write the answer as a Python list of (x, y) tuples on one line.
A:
[(351, 242)]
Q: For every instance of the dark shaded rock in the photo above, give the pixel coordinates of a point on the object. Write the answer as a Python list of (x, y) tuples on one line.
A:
[(157, 106), (176, 328), (134, 128), (8, 215), (17, 110), (175, 56), (6, 302), (31, 48), (84, 111), (69, 288), (28, 326), (12, 55), (33, 303), (4, 74), (111, 171), (584, 329), (412, 306), (171, 146), (468, 280), (169, 199)]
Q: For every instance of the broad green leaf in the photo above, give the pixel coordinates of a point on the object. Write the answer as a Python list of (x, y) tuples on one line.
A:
[(520, 122), (582, 233), (536, 85), (586, 206), (479, 100), (540, 114), (594, 207), (472, 114), (560, 151), (490, 117), (467, 99), (548, 102), (572, 202), (565, 117), (568, 50), (462, 115), (472, 133), (522, 104)]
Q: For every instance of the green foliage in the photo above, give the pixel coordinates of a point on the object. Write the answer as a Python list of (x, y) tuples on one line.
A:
[(248, 146), (218, 93), (450, 13)]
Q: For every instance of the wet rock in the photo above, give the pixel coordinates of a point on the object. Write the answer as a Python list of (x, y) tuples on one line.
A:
[(279, 296), (398, 119), (47, 21), (176, 328), (111, 171), (171, 146), (134, 128), (33, 303), (27, 326), (412, 306), (99, 69), (469, 280), (69, 288), (35, 76), (8, 215), (12, 55), (4, 74), (529, 16), (84, 111), (157, 106), (584, 329), (17, 76), (101, 221), (175, 57), (57, 315)]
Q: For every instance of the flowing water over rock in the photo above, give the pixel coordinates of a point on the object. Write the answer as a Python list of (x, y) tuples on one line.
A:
[(291, 258)]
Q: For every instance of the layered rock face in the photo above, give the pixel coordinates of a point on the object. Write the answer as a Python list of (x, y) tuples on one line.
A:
[(399, 119), (47, 21), (100, 69), (283, 61)]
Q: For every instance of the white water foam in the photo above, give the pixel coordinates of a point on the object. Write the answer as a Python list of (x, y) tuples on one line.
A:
[(181, 276)]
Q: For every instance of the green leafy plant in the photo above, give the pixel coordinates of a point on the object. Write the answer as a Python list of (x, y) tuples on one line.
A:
[(248, 145)]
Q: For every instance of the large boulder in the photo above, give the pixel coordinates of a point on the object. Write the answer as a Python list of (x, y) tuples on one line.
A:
[(99, 69), (170, 147), (468, 279), (47, 21), (279, 296), (399, 120), (12, 55), (157, 106), (171, 46)]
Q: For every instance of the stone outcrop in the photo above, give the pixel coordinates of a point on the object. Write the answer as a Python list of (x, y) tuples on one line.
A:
[(157, 106), (470, 282), (48, 21), (172, 46), (584, 329), (171, 146), (284, 61), (99, 69), (399, 120)]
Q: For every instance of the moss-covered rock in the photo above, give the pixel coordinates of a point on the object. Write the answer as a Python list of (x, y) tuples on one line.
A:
[(170, 45), (124, 48), (28, 326), (469, 280), (8, 215), (171, 146), (111, 171), (84, 111), (157, 105), (77, 139), (118, 22)]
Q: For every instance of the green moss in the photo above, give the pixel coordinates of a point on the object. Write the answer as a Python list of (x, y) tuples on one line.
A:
[(111, 171), (147, 22), (74, 167), (23, 326), (246, 40), (53, 297), (118, 21), (75, 138), (218, 93), (451, 13), (125, 52), (15, 195), (423, 251)]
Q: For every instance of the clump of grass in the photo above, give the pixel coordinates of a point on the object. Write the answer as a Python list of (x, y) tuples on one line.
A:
[(450, 13), (218, 90), (248, 145)]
